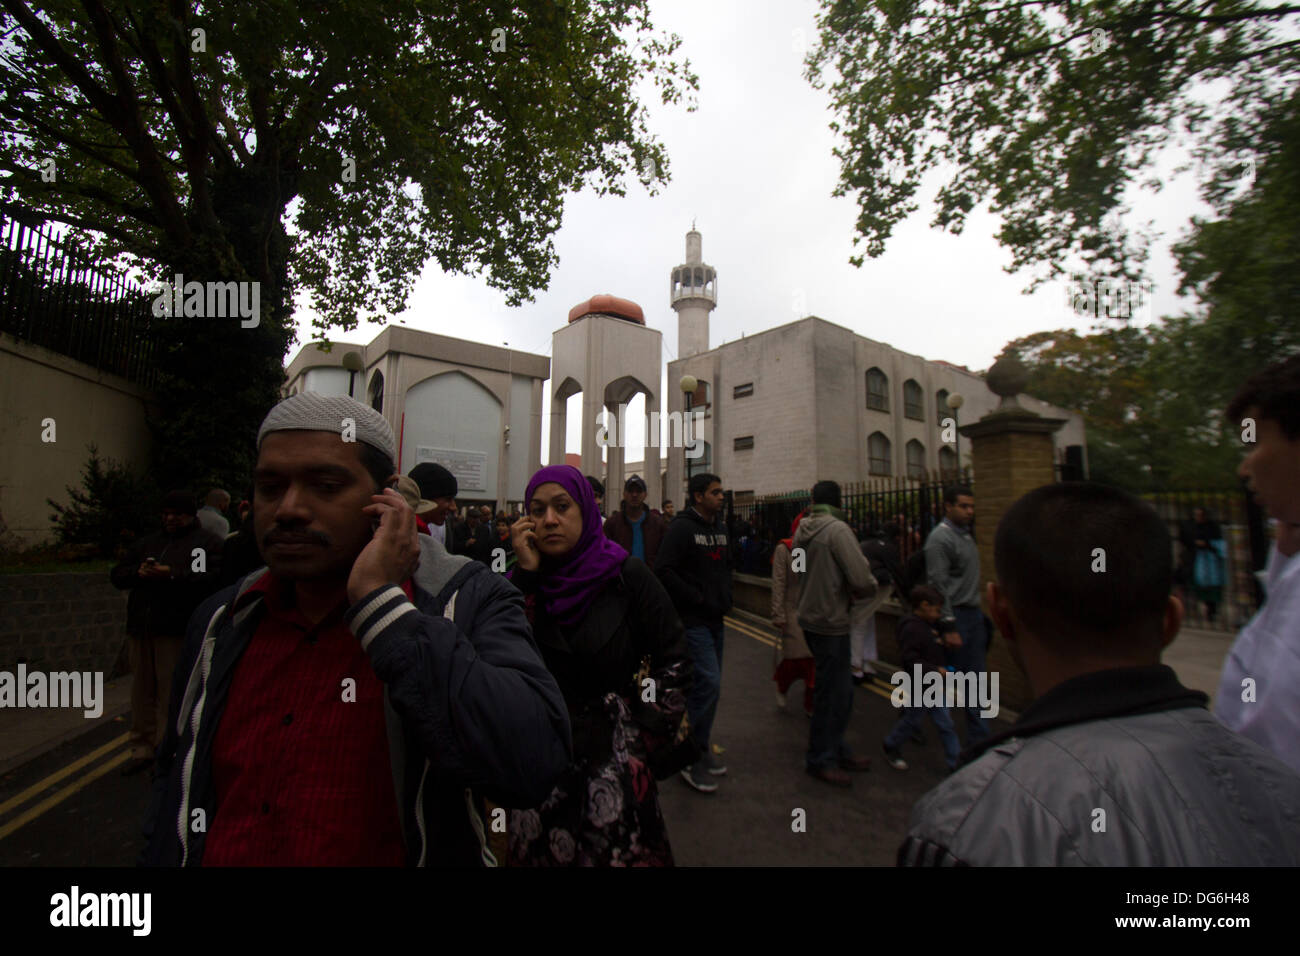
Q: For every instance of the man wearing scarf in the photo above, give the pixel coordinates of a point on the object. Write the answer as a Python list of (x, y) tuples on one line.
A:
[(836, 575)]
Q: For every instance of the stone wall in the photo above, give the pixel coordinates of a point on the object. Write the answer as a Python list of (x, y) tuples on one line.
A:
[(63, 622), (87, 407)]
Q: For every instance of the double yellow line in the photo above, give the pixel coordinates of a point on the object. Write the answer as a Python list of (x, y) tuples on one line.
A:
[(751, 630), (76, 785)]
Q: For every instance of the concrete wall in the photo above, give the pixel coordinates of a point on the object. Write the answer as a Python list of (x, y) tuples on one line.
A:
[(452, 411), (326, 381), (62, 622), (88, 406)]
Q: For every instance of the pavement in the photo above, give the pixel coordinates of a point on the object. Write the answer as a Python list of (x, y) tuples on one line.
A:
[(27, 734)]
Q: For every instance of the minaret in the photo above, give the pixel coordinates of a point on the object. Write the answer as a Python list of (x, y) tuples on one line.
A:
[(694, 293)]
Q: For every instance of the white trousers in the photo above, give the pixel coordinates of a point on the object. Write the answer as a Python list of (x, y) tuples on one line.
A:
[(862, 630)]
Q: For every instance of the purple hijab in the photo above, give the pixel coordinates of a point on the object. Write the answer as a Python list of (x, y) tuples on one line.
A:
[(569, 583)]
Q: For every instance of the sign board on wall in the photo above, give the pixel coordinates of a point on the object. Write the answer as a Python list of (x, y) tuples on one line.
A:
[(468, 467)]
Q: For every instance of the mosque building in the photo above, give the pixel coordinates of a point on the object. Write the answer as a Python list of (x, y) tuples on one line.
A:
[(772, 412)]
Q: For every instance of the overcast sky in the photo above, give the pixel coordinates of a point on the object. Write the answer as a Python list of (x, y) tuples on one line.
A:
[(753, 167)]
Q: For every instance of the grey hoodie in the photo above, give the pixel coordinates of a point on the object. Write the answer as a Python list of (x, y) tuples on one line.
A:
[(835, 573)]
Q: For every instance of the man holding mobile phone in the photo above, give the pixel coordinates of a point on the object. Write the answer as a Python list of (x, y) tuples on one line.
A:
[(352, 703)]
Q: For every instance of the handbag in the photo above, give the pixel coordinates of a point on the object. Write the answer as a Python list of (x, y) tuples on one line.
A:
[(665, 754)]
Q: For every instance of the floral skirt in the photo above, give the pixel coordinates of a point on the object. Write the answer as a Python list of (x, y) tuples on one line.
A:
[(604, 810)]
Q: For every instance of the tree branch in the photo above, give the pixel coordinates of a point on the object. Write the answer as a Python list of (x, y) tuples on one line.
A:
[(68, 139), (154, 179)]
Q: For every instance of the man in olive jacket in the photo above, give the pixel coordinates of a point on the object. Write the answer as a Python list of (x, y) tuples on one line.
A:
[(836, 574), (1115, 763)]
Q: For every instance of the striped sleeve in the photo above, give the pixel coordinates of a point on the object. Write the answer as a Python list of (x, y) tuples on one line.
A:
[(377, 611)]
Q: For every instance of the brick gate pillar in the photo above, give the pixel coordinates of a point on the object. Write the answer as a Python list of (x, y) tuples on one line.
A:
[(1012, 453)]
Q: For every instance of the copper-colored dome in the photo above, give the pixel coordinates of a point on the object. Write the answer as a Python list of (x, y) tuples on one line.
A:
[(608, 305)]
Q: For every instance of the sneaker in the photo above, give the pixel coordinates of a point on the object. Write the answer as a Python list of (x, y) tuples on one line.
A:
[(855, 764), (713, 765), (895, 759), (698, 780), (780, 700)]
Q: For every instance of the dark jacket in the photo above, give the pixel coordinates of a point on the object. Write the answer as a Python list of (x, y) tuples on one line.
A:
[(919, 643), (653, 529), (632, 618), (692, 564), (886, 565), (1177, 787), (240, 556), (484, 540), (162, 606), (470, 709)]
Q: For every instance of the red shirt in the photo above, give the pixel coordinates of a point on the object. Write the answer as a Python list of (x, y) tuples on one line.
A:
[(301, 768)]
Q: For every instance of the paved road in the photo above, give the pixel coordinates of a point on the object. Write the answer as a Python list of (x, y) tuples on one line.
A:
[(93, 813)]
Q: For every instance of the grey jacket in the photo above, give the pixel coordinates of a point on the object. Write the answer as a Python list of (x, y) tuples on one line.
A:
[(1118, 768), (836, 573), (952, 565)]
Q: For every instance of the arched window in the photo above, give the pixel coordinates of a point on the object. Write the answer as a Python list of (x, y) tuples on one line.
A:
[(877, 390), (947, 460), (941, 408), (878, 454), (377, 392), (913, 400), (915, 459)]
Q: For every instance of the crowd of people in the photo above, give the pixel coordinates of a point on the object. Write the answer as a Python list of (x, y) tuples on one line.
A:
[(343, 671)]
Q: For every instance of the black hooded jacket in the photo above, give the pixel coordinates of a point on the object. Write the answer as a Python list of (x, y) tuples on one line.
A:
[(694, 567)]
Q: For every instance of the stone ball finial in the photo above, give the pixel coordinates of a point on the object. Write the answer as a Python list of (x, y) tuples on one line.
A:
[(1007, 379)]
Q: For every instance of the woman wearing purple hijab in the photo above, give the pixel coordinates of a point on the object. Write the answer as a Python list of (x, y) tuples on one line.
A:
[(609, 635)]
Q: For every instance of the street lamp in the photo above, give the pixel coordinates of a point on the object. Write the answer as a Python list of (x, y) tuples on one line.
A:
[(688, 384), (353, 362), (954, 402)]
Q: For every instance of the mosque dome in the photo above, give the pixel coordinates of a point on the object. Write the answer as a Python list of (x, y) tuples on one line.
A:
[(608, 305)]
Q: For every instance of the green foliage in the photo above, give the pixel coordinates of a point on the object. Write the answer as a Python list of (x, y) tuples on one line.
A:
[(327, 151), (112, 505), (1150, 424), (1051, 110), (1245, 266), (1153, 398)]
